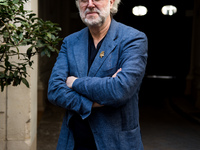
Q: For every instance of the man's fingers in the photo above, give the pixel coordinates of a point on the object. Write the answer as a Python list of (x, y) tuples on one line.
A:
[(95, 105), (70, 80), (120, 69)]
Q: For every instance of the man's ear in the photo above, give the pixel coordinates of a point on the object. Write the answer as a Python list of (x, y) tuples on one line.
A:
[(111, 3)]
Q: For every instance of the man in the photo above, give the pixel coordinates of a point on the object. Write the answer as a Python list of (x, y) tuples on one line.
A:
[(96, 78)]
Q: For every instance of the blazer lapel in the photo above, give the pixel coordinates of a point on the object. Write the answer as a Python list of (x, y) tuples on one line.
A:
[(107, 47), (81, 53)]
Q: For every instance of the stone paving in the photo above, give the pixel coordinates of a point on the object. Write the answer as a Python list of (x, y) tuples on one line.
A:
[(164, 129)]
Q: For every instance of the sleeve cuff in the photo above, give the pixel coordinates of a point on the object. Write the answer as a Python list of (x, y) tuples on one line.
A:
[(86, 106)]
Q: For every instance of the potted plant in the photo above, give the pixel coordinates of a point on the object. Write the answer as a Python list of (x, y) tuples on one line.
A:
[(18, 28)]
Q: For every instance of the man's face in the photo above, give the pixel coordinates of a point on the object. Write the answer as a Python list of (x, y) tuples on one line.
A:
[(94, 12)]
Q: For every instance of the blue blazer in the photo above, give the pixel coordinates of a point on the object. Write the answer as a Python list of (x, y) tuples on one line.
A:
[(116, 125)]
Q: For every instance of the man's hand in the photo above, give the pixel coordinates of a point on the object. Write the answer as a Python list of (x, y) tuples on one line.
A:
[(114, 75), (96, 105), (70, 80)]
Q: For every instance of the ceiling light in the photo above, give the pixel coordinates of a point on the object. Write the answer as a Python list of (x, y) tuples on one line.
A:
[(169, 10), (139, 10)]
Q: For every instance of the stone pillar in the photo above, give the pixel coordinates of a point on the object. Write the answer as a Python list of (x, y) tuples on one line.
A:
[(18, 109), (3, 120)]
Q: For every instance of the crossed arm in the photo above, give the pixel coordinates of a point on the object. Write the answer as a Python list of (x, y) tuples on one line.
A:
[(81, 94), (70, 80)]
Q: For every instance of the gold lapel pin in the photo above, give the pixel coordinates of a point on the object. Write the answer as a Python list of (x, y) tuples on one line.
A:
[(101, 54)]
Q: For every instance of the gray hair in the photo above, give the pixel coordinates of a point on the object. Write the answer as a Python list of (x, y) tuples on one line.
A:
[(113, 10)]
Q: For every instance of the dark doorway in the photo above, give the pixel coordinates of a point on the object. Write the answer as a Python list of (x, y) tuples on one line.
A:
[(169, 40)]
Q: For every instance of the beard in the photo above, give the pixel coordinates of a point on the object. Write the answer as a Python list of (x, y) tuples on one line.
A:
[(95, 21)]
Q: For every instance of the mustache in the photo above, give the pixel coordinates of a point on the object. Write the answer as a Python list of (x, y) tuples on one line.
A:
[(94, 10)]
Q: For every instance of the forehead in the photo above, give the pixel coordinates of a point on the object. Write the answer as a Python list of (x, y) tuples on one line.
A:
[(96, 2), (92, 0)]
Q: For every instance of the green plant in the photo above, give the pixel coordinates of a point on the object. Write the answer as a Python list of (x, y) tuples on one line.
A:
[(19, 27)]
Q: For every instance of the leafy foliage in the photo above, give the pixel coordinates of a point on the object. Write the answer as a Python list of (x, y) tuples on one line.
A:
[(19, 27)]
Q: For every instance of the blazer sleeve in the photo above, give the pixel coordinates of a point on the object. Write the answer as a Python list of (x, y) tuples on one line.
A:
[(116, 91), (60, 94)]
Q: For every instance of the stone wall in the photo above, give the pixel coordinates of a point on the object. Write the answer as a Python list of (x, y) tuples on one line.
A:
[(18, 109)]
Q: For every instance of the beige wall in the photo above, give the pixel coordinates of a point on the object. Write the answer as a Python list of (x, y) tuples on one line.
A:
[(18, 110), (2, 119)]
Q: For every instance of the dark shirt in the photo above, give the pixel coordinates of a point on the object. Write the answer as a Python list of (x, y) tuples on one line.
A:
[(92, 50), (83, 136)]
